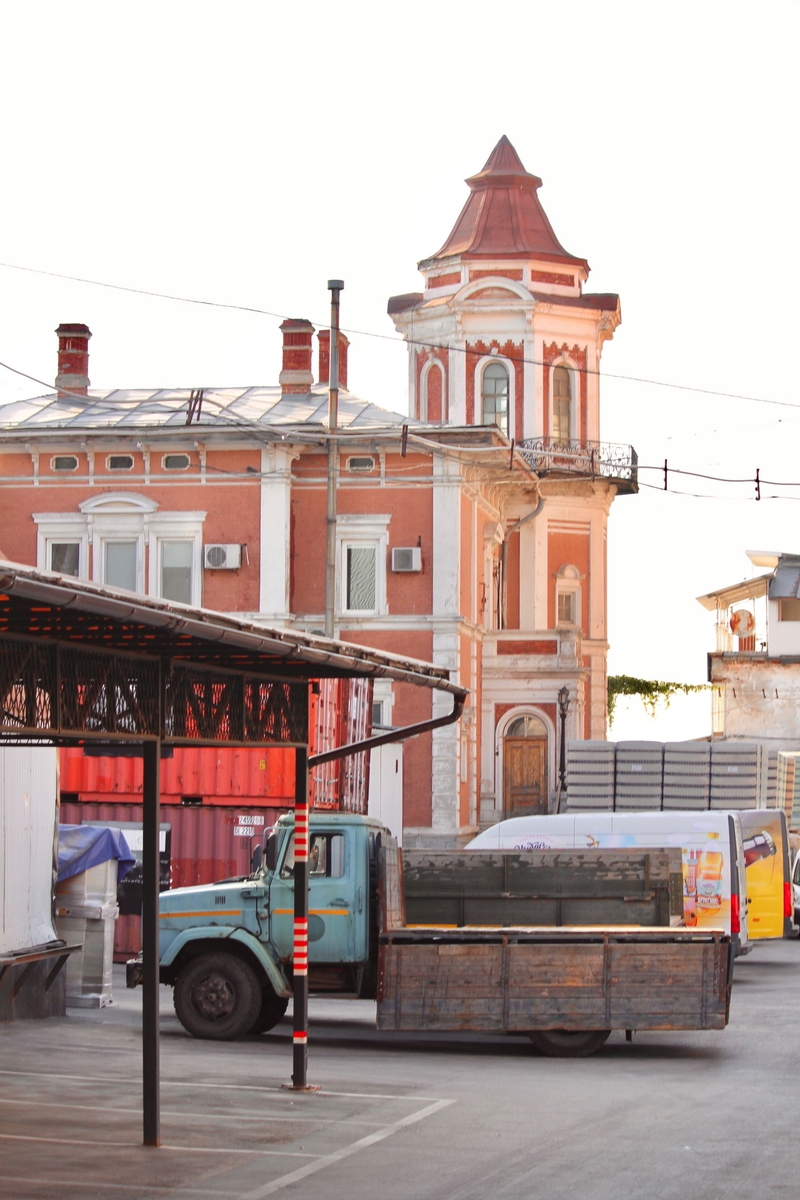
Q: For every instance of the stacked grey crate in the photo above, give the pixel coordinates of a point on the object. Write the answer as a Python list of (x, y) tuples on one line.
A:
[(687, 775), (639, 771), (735, 774), (590, 776)]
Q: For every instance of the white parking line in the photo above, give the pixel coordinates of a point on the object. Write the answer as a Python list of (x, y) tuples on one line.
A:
[(182, 1115), (22, 1137), (328, 1160), (279, 1089)]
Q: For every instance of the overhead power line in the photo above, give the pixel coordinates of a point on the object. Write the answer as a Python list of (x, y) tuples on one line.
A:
[(521, 359)]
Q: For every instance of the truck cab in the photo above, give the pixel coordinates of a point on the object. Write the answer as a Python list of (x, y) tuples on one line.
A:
[(227, 948)]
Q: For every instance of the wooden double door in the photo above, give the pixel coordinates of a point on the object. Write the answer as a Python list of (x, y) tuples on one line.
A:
[(524, 776)]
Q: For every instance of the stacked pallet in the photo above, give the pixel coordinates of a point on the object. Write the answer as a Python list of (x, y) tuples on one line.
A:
[(590, 776), (787, 786), (639, 772), (735, 775), (687, 775)]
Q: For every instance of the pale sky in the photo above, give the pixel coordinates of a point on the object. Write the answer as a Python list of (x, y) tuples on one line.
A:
[(246, 153)]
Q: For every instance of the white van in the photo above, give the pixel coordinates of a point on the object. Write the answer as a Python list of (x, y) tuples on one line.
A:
[(714, 895)]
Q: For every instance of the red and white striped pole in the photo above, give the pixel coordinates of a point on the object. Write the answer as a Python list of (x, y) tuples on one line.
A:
[(300, 985)]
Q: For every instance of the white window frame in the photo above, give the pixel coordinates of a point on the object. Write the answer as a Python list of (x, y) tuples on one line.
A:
[(58, 528), (176, 527), (355, 529), (123, 517), (568, 583), (480, 367), (574, 398)]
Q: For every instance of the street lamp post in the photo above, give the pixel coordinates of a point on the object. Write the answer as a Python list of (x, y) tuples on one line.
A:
[(563, 709)]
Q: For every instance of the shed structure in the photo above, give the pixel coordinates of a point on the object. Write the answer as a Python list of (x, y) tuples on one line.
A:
[(82, 662)]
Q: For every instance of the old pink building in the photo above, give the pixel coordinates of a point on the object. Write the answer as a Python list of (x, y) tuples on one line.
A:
[(471, 533)]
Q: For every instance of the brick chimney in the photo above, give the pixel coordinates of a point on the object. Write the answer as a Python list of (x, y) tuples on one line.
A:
[(73, 359), (324, 336), (296, 375)]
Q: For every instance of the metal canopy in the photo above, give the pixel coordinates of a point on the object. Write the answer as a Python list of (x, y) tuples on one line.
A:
[(79, 662)]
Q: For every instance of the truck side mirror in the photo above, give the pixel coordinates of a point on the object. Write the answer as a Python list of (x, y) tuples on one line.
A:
[(271, 852), (255, 861)]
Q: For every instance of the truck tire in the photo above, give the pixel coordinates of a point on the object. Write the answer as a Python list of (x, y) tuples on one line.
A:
[(566, 1043), (217, 996), (272, 1009)]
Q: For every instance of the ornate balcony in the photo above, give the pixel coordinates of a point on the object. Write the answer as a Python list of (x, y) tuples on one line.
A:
[(589, 460)]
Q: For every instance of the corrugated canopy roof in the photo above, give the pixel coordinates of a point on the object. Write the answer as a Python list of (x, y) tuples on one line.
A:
[(47, 605)]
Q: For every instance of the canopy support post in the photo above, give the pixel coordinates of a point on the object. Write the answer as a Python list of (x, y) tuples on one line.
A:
[(151, 861), (300, 967)]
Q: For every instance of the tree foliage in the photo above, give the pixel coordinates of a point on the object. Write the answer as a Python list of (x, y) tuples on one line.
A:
[(651, 691)]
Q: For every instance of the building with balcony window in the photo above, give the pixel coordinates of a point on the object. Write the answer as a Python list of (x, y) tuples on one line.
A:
[(755, 668), (471, 533)]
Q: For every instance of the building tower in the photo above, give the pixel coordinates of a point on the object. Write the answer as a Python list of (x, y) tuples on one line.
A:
[(503, 334)]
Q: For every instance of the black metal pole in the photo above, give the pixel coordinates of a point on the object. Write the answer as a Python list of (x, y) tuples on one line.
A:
[(336, 286), (300, 984), (151, 1105)]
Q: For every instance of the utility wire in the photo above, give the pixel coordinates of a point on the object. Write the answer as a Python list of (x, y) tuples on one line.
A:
[(427, 443), (521, 359)]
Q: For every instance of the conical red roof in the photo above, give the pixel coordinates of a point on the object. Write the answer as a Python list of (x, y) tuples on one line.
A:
[(503, 215)]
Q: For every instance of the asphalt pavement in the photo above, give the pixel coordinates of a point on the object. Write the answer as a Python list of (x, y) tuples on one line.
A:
[(408, 1116)]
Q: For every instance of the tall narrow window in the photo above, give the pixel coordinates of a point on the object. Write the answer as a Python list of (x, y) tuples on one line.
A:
[(562, 405), (120, 565), (361, 570), (176, 571), (494, 389)]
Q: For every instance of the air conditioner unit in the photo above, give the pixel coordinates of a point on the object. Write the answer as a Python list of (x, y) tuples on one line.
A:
[(406, 558), (222, 558)]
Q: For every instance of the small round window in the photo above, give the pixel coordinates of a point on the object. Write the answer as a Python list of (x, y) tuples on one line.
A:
[(175, 462), (361, 463), (65, 462), (120, 462)]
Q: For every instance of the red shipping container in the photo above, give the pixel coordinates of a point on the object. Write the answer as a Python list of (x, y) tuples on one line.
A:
[(228, 776)]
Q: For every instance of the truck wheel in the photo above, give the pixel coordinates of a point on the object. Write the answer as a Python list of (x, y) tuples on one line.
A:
[(564, 1043), (272, 1009), (217, 996)]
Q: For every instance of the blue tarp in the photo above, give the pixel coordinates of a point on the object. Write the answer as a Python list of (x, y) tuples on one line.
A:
[(83, 846)]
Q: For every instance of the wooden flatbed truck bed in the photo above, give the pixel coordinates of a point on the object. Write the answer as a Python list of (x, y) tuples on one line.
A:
[(566, 987)]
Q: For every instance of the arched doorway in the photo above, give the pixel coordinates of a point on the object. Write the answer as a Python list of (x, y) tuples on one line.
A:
[(525, 767)]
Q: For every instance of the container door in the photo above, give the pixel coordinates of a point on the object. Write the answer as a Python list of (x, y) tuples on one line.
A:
[(332, 902)]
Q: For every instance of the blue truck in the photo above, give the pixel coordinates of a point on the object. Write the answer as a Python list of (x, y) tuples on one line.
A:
[(530, 965)]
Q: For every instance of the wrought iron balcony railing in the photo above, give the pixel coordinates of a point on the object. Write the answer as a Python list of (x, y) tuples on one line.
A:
[(604, 460)]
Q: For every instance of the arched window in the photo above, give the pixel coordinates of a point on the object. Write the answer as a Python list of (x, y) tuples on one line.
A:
[(527, 726), (562, 405), (494, 396), (433, 394)]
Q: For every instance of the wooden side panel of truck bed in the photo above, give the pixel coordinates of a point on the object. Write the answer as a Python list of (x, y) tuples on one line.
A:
[(522, 980)]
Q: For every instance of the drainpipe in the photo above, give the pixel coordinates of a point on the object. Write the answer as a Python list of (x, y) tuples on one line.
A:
[(504, 556), (336, 286), (396, 735)]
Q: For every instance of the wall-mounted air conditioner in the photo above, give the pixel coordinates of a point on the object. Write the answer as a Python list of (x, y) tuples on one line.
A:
[(406, 558), (222, 558)]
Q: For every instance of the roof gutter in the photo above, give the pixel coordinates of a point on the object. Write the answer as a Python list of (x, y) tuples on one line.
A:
[(396, 735)]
